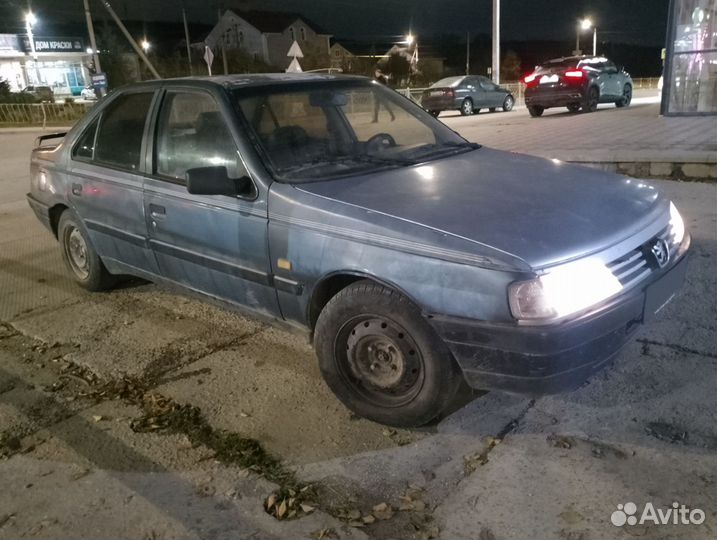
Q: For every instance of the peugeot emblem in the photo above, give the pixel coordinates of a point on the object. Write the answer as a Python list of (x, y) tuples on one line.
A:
[(661, 252)]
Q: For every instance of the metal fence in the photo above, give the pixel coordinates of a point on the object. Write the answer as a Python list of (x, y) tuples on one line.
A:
[(517, 88), (42, 114)]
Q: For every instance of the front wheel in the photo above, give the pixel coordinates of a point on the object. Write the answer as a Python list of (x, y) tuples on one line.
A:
[(467, 107), (535, 110), (508, 103), (382, 359), (79, 255), (626, 98)]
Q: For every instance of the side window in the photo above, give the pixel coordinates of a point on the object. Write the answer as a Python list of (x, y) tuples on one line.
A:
[(85, 147), (119, 140), (192, 132)]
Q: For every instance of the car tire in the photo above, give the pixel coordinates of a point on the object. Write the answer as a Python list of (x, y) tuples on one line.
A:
[(80, 257), (467, 107), (382, 359), (574, 107), (434, 114), (626, 98), (508, 103), (535, 110), (592, 98)]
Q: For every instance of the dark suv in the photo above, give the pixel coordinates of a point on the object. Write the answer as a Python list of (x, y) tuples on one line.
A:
[(577, 82)]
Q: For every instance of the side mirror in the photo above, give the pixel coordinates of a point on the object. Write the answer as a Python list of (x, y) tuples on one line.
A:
[(216, 181)]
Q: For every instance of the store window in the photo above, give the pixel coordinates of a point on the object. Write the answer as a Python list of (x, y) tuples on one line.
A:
[(691, 78)]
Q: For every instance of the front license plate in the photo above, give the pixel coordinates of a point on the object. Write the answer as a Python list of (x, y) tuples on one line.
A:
[(660, 293), (546, 79)]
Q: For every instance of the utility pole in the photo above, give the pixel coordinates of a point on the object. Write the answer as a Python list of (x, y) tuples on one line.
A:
[(93, 41), (221, 39), (186, 38), (468, 53), (495, 71), (129, 37)]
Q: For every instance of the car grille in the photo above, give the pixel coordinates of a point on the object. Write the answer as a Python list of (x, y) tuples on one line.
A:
[(634, 266)]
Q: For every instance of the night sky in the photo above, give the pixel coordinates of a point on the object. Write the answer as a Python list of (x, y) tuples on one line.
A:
[(639, 22)]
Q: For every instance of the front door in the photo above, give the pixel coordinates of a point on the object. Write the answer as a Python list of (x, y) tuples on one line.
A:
[(214, 244), (106, 183)]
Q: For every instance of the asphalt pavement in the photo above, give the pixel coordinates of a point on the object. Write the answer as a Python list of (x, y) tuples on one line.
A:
[(87, 380)]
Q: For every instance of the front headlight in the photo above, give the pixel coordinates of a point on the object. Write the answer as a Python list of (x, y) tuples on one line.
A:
[(562, 291), (677, 224)]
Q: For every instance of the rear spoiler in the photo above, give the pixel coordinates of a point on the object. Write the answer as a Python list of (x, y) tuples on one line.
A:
[(43, 138)]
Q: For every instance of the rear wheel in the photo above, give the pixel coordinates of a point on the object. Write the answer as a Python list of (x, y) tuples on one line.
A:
[(467, 107), (79, 255), (535, 110), (626, 98), (508, 103), (591, 100), (574, 107), (382, 359)]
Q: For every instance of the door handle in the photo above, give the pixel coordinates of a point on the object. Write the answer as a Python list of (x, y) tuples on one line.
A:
[(77, 189), (157, 211)]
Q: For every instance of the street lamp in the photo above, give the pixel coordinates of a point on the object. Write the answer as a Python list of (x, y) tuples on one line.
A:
[(583, 25), (145, 45)]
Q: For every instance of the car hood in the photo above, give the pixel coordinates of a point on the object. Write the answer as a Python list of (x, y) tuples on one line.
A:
[(538, 210)]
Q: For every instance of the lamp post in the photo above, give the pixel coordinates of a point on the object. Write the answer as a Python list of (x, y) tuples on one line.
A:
[(145, 45), (31, 20), (586, 24)]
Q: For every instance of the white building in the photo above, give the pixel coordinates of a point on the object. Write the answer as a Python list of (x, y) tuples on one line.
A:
[(268, 35)]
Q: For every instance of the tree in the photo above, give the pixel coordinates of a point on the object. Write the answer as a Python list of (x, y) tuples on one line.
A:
[(510, 67), (398, 67)]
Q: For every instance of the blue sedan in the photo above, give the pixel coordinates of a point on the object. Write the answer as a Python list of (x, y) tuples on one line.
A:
[(414, 259)]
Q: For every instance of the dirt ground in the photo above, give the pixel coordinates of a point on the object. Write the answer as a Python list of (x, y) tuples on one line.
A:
[(141, 413)]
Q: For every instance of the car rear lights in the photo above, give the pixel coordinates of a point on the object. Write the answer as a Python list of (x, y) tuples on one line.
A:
[(449, 92), (575, 74), (531, 80)]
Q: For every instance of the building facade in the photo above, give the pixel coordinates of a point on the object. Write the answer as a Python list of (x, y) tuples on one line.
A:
[(690, 75), (58, 62), (268, 36)]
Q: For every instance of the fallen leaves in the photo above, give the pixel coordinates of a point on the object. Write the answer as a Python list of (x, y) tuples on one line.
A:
[(289, 505), (471, 462)]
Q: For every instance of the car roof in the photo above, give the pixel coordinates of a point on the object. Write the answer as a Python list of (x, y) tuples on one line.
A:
[(248, 80)]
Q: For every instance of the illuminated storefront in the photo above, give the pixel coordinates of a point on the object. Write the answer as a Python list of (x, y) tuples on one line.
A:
[(57, 62), (690, 86)]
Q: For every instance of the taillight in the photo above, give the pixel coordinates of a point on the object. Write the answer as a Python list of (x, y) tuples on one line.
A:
[(531, 80), (449, 92), (575, 74)]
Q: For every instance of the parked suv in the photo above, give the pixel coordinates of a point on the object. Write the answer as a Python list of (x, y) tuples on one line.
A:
[(467, 94), (578, 83), (40, 93)]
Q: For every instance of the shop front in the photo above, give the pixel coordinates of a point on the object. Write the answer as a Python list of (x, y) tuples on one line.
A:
[(690, 86), (58, 62)]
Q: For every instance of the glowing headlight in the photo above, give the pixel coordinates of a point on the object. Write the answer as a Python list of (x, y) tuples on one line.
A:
[(564, 290), (678, 226)]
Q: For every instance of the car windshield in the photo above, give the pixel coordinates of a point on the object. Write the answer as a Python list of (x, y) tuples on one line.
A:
[(316, 131)]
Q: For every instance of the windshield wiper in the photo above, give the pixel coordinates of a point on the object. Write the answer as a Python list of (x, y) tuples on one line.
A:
[(360, 159), (433, 149)]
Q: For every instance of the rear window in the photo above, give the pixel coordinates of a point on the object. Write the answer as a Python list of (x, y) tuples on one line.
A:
[(448, 81), (560, 63)]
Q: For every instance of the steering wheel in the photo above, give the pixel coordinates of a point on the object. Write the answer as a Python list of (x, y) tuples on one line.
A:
[(380, 142)]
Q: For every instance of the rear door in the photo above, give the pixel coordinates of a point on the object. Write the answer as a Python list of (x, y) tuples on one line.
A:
[(106, 181), (214, 244), (493, 94)]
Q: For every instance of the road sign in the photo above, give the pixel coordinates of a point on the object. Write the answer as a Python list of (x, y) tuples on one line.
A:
[(99, 80), (208, 58)]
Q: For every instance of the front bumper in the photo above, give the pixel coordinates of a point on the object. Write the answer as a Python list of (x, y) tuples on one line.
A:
[(560, 357)]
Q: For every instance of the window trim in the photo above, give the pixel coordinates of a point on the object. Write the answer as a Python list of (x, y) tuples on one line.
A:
[(73, 152), (151, 154), (99, 117)]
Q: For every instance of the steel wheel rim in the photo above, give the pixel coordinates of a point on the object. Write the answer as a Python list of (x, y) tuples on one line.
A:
[(76, 249), (379, 360)]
